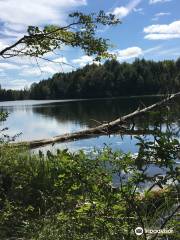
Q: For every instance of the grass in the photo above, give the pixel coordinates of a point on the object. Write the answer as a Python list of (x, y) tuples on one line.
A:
[(72, 196)]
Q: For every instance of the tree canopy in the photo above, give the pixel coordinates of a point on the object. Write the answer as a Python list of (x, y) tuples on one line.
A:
[(112, 79), (80, 32)]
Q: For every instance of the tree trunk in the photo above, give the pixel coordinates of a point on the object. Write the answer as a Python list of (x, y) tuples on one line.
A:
[(103, 129)]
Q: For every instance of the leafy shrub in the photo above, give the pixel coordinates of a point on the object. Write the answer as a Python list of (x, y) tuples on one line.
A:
[(100, 195)]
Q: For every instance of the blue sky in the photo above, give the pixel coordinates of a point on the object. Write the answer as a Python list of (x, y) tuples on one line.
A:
[(150, 29)]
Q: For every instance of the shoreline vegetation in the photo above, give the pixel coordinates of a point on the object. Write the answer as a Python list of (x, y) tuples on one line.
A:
[(109, 80), (103, 194), (89, 99), (69, 196)]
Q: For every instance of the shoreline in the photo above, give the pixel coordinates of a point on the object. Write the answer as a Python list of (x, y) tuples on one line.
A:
[(81, 99)]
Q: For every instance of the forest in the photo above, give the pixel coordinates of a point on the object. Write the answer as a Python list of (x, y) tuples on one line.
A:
[(104, 193), (111, 79)]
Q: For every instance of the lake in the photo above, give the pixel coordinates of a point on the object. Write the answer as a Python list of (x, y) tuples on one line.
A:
[(48, 118)]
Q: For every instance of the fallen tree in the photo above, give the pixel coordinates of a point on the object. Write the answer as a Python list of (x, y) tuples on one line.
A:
[(112, 127)]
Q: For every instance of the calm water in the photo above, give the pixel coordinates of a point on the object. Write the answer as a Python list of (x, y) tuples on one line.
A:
[(44, 119)]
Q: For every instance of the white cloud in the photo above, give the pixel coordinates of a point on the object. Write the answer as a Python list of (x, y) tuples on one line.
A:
[(30, 71), (139, 10), (161, 36), (121, 54), (158, 1), (155, 19), (161, 14), (8, 66), (153, 49), (36, 12), (128, 53), (137, 52), (58, 65), (161, 50), (44, 68), (170, 52), (23, 61), (83, 60), (16, 15), (60, 60), (2, 45), (8, 33), (123, 11), (16, 84), (171, 28), (163, 31)]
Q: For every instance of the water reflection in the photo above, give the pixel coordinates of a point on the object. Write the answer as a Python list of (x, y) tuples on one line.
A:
[(43, 119)]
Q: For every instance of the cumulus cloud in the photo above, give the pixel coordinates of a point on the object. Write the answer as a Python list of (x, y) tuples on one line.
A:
[(158, 1), (123, 11), (123, 54), (8, 66), (83, 60), (163, 31), (36, 12), (128, 53), (133, 52), (161, 36), (16, 15)]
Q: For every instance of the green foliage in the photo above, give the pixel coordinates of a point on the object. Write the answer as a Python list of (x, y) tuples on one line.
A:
[(9, 95), (100, 195), (4, 137), (3, 117), (112, 79), (52, 37), (80, 32)]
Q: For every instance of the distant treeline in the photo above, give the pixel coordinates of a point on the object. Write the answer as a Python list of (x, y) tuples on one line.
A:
[(112, 79)]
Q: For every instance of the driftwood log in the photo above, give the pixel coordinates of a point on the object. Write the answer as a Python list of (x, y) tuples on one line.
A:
[(103, 129)]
